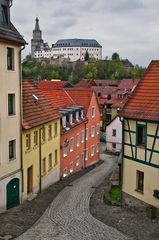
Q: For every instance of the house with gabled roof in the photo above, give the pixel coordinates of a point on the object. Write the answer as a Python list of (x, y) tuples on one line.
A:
[(11, 46), (140, 117), (41, 140)]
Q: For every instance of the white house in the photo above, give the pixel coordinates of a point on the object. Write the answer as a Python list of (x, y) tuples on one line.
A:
[(73, 49), (114, 135)]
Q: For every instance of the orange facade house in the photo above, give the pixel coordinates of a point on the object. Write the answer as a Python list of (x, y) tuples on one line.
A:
[(79, 144)]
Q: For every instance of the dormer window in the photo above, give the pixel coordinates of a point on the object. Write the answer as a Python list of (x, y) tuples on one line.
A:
[(77, 116), (120, 96), (82, 114), (64, 121), (71, 118)]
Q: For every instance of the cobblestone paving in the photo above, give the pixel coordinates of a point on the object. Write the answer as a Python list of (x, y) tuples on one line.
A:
[(68, 217)]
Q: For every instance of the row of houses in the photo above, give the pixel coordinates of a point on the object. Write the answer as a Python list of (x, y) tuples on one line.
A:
[(46, 132)]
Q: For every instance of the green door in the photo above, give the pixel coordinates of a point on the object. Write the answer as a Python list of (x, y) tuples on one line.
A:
[(13, 193)]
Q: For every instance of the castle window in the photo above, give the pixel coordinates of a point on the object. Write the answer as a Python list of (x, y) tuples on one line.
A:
[(140, 181)]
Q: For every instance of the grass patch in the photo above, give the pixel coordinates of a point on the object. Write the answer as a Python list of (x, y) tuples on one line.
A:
[(115, 193)]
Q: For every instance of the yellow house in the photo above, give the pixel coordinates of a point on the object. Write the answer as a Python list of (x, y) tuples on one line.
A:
[(11, 45), (40, 141), (141, 142)]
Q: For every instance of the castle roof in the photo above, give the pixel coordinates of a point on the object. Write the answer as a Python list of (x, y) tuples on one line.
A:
[(77, 43)]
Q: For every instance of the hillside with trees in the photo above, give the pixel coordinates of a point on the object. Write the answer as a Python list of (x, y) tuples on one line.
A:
[(113, 68)]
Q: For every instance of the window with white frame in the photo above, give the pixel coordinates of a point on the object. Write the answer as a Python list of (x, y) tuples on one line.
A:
[(86, 154), (93, 131), (77, 140), (64, 121), (64, 150), (11, 104), (77, 116), (65, 172), (82, 137), (77, 161), (50, 160), (82, 114), (43, 135), (28, 141), (98, 129), (71, 118), (93, 112), (92, 150), (71, 144), (97, 149), (10, 58), (12, 150), (86, 133), (113, 132), (71, 167)]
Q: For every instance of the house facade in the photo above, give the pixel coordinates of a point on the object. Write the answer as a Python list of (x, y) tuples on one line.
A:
[(41, 141), (141, 142), (114, 135), (10, 110)]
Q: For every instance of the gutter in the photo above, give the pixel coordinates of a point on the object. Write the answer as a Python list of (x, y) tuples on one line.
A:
[(21, 118)]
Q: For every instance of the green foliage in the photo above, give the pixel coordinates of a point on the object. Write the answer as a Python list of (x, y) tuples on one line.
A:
[(104, 69), (86, 57), (115, 193), (115, 56)]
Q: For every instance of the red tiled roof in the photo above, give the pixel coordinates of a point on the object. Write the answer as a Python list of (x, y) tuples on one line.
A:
[(106, 82), (36, 112), (85, 83), (59, 98), (81, 96), (128, 84), (51, 84), (144, 101)]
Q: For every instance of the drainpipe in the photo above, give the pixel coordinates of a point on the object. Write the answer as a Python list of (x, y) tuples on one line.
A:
[(21, 119), (40, 160), (121, 164), (85, 145)]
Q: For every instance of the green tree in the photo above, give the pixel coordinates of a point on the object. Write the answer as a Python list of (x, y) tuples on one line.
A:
[(86, 57), (115, 56)]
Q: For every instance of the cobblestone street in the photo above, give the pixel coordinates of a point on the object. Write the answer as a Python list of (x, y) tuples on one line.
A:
[(68, 216)]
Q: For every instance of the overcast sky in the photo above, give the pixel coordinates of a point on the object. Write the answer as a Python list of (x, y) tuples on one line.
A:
[(129, 27)]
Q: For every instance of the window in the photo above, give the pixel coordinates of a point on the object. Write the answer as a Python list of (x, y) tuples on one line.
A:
[(12, 150), (114, 145), (92, 150), (77, 116), (140, 181), (10, 58), (50, 160), (55, 129), (43, 135), (71, 167), (64, 121), (77, 161), (86, 154), (56, 158), (50, 131), (71, 144), (64, 151), (82, 137), (5, 14), (11, 104), (86, 133), (35, 138), (65, 172), (70, 118), (98, 129), (77, 140), (93, 130), (93, 112), (97, 147), (82, 114), (141, 135), (28, 141), (113, 132), (43, 166)]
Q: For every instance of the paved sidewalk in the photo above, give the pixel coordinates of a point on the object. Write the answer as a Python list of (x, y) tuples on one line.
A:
[(17, 220), (68, 217)]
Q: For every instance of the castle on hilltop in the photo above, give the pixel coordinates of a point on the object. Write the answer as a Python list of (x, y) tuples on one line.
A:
[(71, 49)]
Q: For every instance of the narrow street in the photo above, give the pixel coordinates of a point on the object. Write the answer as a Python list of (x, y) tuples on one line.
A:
[(69, 218)]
